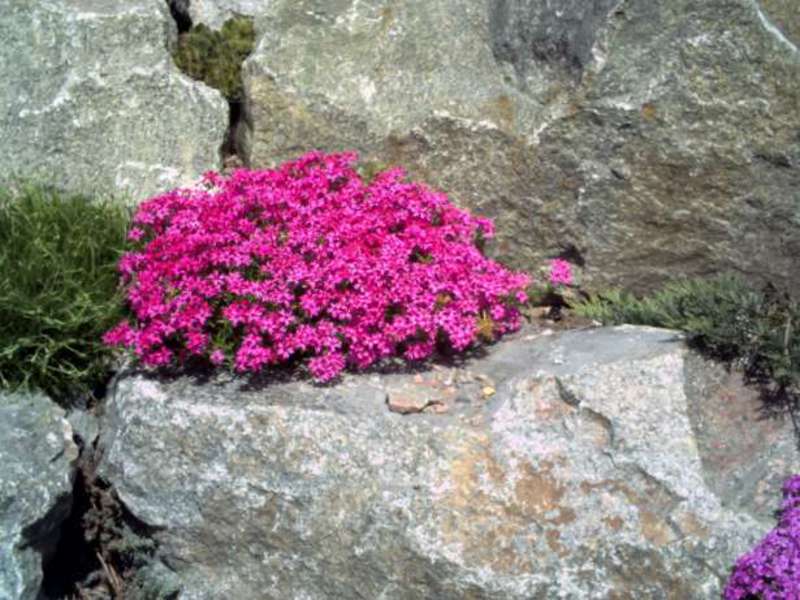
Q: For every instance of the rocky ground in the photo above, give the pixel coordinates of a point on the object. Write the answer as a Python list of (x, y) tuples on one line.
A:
[(536, 470)]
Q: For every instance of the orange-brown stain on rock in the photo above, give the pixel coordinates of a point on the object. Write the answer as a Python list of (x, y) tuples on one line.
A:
[(655, 529), (539, 495), (614, 523), (387, 19), (554, 542), (502, 110), (649, 111), (690, 524), (465, 474), (653, 505), (490, 521), (569, 184)]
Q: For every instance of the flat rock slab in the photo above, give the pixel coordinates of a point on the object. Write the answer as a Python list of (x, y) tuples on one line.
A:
[(92, 100), (37, 469), (588, 472)]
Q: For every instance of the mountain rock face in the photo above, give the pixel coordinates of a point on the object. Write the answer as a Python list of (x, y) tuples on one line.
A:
[(656, 139), (590, 464), (37, 469), (91, 98), (644, 140)]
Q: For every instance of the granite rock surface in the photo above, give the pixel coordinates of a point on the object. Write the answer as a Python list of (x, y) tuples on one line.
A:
[(650, 139), (593, 464), (37, 469), (91, 99)]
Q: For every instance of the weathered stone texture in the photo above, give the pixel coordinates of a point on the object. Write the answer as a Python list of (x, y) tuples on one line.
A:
[(37, 468), (214, 13), (591, 471), (659, 138), (91, 98)]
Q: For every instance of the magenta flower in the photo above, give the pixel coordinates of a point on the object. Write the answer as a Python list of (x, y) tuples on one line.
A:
[(560, 272), (771, 571), (307, 262)]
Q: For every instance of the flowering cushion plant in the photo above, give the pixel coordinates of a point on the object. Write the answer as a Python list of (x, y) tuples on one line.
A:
[(771, 571), (306, 261)]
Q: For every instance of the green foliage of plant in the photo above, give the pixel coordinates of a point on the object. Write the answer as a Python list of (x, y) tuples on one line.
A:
[(369, 169), (723, 316), (58, 288), (215, 57)]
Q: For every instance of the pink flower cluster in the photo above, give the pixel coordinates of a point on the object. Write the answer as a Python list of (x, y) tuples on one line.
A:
[(771, 570), (306, 261), (560, 272)]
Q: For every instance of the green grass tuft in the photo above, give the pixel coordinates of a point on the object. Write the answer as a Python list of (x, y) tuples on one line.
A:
[(58, 288)]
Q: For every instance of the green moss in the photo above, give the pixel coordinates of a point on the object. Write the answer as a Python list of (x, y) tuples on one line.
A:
[(58, 288), (723, 316), (215, 57), (370, 169)]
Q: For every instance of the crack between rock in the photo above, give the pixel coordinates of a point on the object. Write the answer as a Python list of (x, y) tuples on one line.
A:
[(231, 155), (102, 549), (566, 395)]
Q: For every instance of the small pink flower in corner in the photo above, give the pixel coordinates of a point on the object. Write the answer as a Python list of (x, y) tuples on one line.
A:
[(560, 272), (217, 357)]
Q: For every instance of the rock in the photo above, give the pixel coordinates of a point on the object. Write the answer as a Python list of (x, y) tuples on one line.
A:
[(92, 100), (590, 473), (214, 13), (85, 425), (409, 398), (37, 469), (656, 139)]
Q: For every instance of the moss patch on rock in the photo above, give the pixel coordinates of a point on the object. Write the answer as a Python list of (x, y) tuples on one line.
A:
[(215, 57)]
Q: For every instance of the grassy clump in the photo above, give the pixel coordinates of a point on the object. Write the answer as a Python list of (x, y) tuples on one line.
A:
[(58, 288), (215, 57), (723, 316)]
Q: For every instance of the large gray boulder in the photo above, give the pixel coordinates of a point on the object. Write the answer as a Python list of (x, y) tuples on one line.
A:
[(37, 469), (92, 100), (657, 138), (590, 464)]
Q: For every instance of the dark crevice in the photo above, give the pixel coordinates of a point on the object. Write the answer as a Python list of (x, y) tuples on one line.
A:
[(232, 154), (571, 253), (103, 550), (179, 9), (73, 560), (215, 57)]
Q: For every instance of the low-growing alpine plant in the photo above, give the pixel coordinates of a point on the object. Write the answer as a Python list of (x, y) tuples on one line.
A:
[(307, 261), (771, 571)]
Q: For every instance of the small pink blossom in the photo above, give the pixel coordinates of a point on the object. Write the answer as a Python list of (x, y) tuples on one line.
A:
[(135, 234), (217, 357), (560, 272)]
